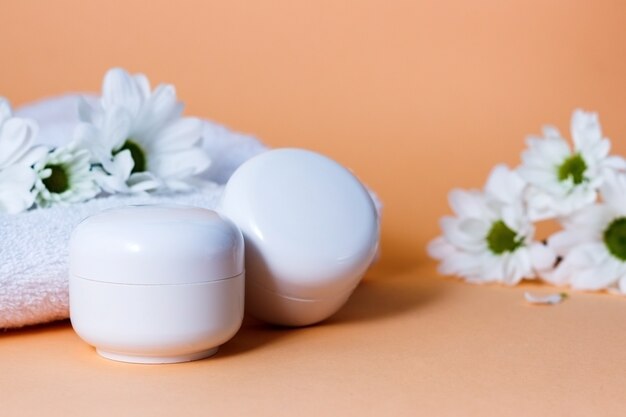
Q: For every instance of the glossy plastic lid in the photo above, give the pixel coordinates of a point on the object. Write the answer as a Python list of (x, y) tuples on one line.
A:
[(156, 244), (310, 227)]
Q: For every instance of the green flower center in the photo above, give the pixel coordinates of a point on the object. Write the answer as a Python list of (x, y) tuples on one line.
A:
[(573, 167), (137, 153), (58, 181), (502, 239), (615, 238)]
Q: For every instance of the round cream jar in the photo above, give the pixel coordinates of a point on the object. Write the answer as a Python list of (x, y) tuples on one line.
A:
[(156, 284), (311, 231)]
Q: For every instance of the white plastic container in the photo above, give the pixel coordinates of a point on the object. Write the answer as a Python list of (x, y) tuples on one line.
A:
[(310, 228), (156, 284)]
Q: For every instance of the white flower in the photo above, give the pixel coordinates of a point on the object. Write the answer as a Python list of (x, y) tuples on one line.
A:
[(563, 181), (490, 238), (16, 183), (64, 177), (17, 156), (139, 137), (593, 242)]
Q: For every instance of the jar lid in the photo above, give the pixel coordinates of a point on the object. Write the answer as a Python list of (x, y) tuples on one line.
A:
[(310, 227), (156, 244)]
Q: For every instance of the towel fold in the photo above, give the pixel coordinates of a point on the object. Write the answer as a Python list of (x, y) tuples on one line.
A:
[(34, 244)]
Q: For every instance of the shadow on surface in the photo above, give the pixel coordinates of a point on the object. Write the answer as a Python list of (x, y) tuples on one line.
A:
[(382, 295), (381, 298), (391, 287), (252, 335), (396, 256), (37, 328)]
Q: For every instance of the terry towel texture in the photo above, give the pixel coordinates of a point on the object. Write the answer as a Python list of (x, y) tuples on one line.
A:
[(34, 245)]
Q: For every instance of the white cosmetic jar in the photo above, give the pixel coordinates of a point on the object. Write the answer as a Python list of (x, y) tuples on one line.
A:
[(156, 284), (311, 231)]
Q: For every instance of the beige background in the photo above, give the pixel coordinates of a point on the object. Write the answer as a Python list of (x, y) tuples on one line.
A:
[(416, 97)]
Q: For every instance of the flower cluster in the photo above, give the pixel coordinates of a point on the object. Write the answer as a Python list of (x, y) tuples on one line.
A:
[(134, 140), (491, 237)]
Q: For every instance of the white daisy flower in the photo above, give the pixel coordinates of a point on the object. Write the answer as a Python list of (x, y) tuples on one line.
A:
[(593, 242), (64, 177), (139, 138), (16, 183), (562, 180), (17, 156), (490, 239)]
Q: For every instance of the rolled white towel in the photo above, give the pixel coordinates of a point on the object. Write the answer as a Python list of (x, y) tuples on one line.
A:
[(33, 253), (34, 244)]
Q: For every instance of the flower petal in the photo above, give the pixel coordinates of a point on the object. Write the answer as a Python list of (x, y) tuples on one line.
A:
[(120, 167), (505, 185), (120, 89), (544, 153), (622, 285), (143, 84), (616, 163), (546, 299), (463, 265), (590, 221), (439, 248), (586, 131), (542, 257), (592, 267), (181, 164), (467, 203), (85, 110), (181, 134), (564, 241), (143, 181), (613, 191), (160, 109), (15, 185), (117, 126), (5, 110), (460, 236), (516, 266), (16, 137)]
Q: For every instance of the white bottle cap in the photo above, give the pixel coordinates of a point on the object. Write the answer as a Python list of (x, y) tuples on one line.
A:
[(156, 244), (310, 229)]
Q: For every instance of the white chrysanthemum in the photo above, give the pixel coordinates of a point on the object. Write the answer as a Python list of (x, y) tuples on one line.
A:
[(139, 138), (563, 181), (17, 156), (593, 242), (490, 238), (64, 177)]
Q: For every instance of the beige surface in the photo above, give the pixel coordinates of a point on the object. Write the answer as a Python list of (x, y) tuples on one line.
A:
[(406, 344)]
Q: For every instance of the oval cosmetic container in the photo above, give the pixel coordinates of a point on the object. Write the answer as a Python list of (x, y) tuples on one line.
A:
[(156, 284), (311, 231)]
